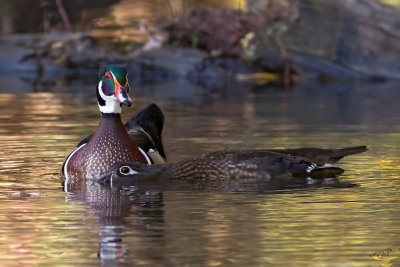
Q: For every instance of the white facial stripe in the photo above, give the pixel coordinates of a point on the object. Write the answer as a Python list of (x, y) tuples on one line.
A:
[(112, 104), (113, 75), (115, 79), (132, 172)]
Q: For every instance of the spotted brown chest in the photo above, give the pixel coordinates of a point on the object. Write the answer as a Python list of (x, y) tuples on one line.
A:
[(110, 144)]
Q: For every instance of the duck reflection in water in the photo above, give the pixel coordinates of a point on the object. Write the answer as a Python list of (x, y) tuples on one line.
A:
[(116, 210)]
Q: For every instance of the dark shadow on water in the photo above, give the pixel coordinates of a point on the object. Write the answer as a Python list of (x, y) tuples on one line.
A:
[(141, 212)]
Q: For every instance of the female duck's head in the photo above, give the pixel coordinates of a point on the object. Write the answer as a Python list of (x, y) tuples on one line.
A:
[(113, 89), (133, 173)]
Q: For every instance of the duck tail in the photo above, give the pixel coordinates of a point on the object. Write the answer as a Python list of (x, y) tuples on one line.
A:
[(351, 150), (338, 154)]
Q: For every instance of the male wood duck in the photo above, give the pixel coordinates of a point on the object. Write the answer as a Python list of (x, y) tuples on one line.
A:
[(274, 168), (138, 141)]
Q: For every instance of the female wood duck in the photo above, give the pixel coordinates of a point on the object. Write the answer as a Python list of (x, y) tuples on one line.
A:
[(271, 168), (138, 141)]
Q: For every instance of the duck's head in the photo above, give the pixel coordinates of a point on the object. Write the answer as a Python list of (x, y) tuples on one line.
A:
[(113, 89), (133, 173)]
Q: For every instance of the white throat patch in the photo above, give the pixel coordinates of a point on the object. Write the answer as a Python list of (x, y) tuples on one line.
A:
[(112, 104)]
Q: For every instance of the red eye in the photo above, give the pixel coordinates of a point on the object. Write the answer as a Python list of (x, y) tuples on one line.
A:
[(107, 76)]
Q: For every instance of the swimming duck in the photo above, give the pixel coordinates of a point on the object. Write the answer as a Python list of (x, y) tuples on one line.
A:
[(271, 168), (138, 141)]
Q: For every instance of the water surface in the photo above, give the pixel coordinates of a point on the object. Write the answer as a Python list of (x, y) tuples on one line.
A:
[(41, 224)]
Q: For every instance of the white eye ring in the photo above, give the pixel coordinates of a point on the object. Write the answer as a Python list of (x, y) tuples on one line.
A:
[(126, 170)]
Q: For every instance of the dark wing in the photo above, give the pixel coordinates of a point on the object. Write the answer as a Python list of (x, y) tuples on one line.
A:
[(145, 128), (278, 164), (320, 155), (248, 163)]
